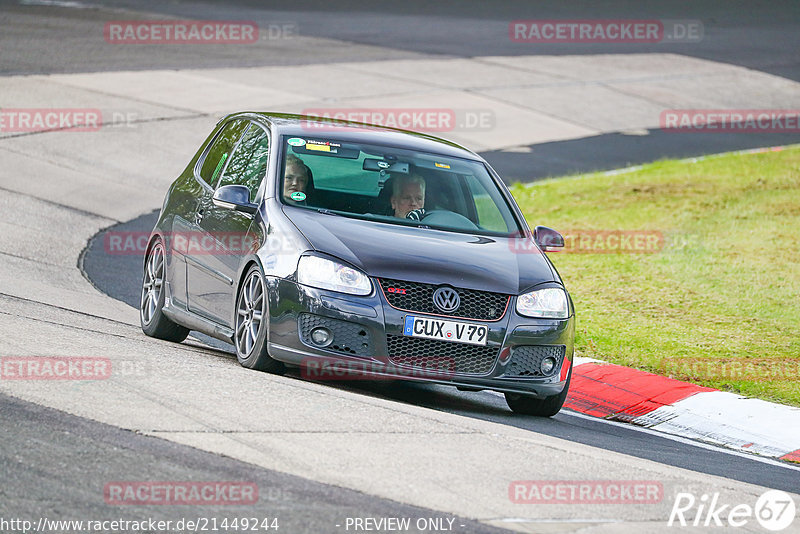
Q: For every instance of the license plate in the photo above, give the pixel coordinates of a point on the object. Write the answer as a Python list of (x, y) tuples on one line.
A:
[(474, 334)]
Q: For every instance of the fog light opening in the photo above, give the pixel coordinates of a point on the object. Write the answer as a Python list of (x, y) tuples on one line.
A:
[(548, 364), (321, 337)]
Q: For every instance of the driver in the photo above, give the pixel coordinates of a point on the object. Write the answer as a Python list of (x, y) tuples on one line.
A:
[(408, 196)]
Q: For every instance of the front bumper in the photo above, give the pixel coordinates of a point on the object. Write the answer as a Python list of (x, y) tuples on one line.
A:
[(369, 343)]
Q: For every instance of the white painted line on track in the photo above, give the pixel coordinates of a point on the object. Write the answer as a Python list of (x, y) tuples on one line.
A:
[(730, 420), (687, 441), (679, 439)]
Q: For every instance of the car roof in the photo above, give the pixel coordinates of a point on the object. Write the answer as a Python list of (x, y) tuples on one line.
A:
[(305, 126)]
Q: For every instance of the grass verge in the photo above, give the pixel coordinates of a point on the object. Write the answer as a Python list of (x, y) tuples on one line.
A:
[(717, 301)]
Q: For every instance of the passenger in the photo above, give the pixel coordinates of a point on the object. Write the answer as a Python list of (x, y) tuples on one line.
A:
[(408, 196), (297, 178)]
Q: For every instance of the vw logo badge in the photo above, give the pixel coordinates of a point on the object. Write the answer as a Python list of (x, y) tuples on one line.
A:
[(446, 299)]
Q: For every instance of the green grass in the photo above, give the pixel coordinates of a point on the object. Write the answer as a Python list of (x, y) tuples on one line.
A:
[(723, 292)]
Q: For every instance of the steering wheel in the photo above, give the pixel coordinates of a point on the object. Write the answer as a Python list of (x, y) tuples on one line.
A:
[(449, 219)]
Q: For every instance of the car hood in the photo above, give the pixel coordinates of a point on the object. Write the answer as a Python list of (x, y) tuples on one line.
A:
[(503, 265)]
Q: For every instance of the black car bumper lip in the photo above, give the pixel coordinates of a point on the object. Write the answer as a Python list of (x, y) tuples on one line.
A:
[(339, 367)]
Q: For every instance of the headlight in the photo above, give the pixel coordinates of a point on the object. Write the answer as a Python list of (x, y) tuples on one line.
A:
[(327, 274), (548, 303)]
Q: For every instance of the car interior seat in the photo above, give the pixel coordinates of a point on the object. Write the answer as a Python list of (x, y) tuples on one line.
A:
[(383, 203)]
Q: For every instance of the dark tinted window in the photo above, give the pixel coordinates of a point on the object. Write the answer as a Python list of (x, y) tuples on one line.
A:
[(220, 151), (248, 164)]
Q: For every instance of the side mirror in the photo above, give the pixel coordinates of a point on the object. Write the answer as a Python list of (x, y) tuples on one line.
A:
[(548, 239), (234, 197)]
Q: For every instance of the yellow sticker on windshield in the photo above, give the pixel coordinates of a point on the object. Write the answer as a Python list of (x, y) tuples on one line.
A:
[(321, 148), (442, 165)]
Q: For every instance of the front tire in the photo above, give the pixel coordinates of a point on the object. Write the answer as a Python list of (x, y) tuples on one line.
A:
[(251, 325), (546, 407), (151, 315)]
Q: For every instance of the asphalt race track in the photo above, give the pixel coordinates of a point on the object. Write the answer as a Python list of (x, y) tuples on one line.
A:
[(321, 453), (93, 454)]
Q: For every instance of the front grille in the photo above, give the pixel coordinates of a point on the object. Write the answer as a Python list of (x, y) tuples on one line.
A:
[(418, 297), (526, 360), (348, 338), (459, 358)]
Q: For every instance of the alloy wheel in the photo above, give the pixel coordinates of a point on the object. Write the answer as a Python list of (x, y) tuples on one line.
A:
[(152, 283), (249, 313)]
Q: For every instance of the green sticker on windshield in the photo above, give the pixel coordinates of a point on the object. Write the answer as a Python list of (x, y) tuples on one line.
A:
[(296, 141), (298, 196)]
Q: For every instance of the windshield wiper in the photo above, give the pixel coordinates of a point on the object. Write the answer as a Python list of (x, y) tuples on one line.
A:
[(326, 211)]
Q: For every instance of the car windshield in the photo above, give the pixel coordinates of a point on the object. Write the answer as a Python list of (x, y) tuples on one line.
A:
[(393, 185)]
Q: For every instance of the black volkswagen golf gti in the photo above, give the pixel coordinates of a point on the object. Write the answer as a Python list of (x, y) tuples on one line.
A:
[(349, 250)]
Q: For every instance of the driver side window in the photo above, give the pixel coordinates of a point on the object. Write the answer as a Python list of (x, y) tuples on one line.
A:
[(248, 164)]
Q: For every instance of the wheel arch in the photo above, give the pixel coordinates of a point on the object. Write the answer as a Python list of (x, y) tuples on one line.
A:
[(249, 262), (154, 236)]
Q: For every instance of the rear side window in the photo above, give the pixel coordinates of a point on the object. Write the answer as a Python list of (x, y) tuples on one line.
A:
[(248, 164), (220, 151)]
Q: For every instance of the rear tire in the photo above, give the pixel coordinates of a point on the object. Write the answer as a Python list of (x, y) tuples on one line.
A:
[(151, 316), (546, 407), (252, 323)]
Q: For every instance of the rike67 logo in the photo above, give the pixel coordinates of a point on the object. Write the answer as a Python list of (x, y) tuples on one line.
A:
[(774, 510)]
